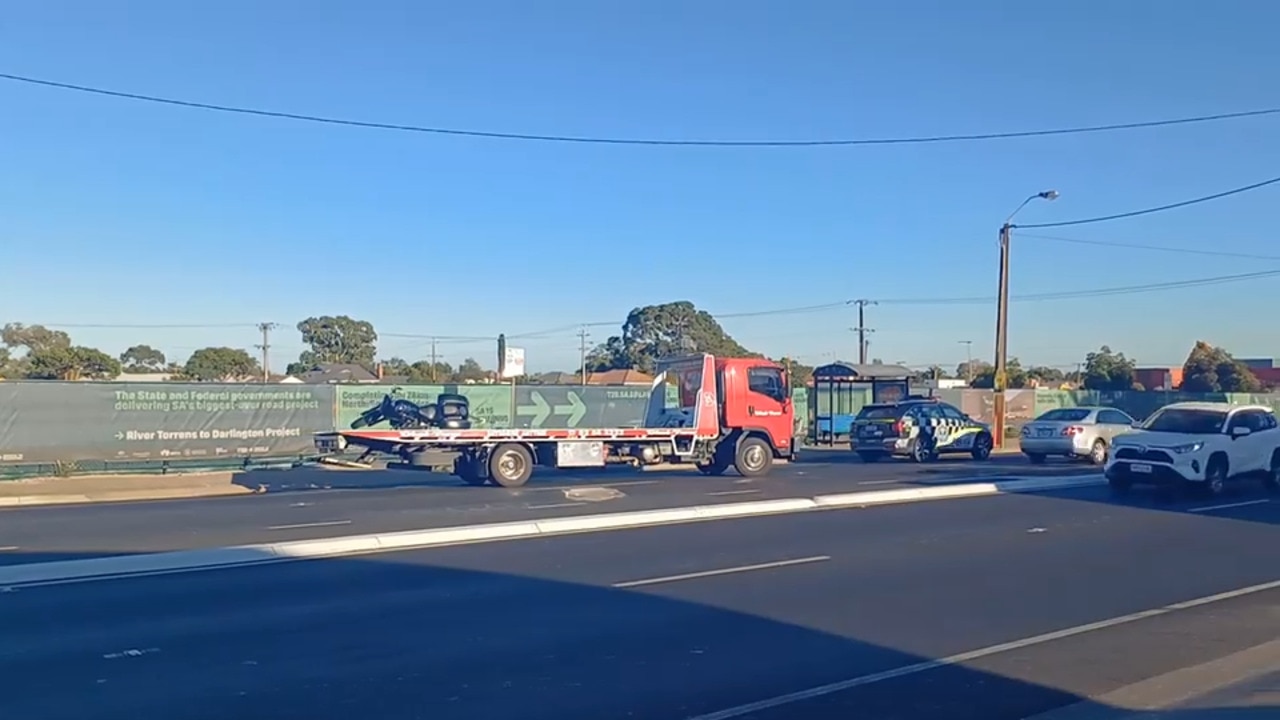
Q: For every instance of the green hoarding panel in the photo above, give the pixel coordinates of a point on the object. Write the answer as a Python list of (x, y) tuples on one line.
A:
[(65, 422)]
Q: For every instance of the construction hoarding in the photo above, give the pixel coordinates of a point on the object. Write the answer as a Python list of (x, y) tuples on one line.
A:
[(49, 422)]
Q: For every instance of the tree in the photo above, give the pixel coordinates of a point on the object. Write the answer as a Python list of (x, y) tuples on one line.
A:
[(424, 371), (973, 369), (395, 366), (1014, 376), (470, 371), (1045, 375), (798, 374), (142, 359), (657, 331), (337, 339), (33, 338), (936, 372), (221, 364), (1211, 369), (1107, 370), (71, 363)]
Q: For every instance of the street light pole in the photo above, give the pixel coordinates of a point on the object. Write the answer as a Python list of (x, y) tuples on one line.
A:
[(968, 361), (1000, 383)]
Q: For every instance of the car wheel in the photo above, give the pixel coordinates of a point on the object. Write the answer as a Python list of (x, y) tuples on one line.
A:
[(1098, 454), (1036, 458), (1215, 478), (981, 447), (921, 452)]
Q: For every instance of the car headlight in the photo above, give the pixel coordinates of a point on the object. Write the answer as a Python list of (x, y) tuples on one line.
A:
[(1188, 448)]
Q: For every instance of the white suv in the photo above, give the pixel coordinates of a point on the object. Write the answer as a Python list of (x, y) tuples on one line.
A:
[(1200, 445)]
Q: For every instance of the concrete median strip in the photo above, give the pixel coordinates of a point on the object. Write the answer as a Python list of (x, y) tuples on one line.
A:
[(123, 566)]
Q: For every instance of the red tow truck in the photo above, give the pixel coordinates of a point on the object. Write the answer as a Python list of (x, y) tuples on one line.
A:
[(732, 412)]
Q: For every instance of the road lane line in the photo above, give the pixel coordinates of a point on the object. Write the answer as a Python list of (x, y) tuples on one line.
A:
[(733, 492), (906, 670), (616, 484), (880, 482), (331, 523), (8, 548), (721, 571), (554, 505), (1211, 508)]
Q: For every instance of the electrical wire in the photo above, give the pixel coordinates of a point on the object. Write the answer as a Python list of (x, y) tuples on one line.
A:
[(602, 140), (1161, 208), (964, 300), (1156, 248)]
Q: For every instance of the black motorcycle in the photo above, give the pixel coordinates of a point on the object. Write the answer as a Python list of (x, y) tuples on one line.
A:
[(450, 411)]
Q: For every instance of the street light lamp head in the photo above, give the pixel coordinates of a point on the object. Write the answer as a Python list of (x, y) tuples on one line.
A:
[(1049, 195)]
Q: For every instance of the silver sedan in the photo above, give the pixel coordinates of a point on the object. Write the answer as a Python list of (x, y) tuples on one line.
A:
[(1078, 432)]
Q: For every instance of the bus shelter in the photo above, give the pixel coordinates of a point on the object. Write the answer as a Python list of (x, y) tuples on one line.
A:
[(841, 389)]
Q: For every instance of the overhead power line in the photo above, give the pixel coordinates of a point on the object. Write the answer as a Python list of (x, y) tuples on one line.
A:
[(1160, 208), (604, 140), (1155, 248), (962, 300)]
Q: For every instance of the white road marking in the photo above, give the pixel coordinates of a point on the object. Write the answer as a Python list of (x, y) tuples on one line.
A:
[(1210, 508), (8, 548), (130, 653), (301, 504), (879, 482), (842, 685), (722, 571), (734, 492), (331, 523), (555, 505)]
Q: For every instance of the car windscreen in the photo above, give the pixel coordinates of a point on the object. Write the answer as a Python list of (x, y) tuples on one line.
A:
[(1183, 420), (1064, 415), (879, 412)]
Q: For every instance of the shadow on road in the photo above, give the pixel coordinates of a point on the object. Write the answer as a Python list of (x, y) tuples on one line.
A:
[(395, 636)]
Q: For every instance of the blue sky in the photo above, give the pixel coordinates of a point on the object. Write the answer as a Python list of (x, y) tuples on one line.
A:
[(120, 213)]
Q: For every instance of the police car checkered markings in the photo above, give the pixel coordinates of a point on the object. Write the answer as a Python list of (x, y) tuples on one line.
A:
[(895, 427)]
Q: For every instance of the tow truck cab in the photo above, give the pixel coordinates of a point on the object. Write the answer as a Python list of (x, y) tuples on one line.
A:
[(739, 412), (755, 399)]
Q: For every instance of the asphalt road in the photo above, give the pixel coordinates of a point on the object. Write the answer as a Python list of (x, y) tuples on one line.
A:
[(313, 503), (670, 622)]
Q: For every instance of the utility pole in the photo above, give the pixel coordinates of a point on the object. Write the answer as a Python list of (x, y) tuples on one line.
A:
[(582, 353), (1002, 321), (1002, 340), (433, 360), (266, 329), (862, 329), (968, 361)]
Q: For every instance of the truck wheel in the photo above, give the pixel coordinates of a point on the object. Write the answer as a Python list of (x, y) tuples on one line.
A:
[(510, 465), (753, 458)]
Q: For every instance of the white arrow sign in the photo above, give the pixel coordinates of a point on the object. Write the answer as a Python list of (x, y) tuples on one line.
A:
[(576, 409), (539, 410)]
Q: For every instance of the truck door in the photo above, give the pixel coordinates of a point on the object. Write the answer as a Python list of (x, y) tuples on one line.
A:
[(769, 404)]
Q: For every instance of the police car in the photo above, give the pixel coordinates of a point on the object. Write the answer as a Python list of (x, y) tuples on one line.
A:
[(918, 428)]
